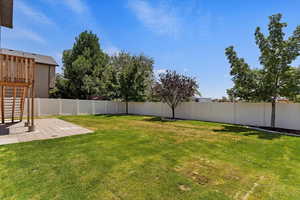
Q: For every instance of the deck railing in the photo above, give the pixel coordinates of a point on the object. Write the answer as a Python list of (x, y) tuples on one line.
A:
[(15, 70)]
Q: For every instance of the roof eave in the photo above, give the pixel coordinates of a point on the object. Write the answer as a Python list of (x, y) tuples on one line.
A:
[(51, 64)]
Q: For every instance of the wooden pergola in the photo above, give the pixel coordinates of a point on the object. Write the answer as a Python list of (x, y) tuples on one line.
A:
[(17, 76)]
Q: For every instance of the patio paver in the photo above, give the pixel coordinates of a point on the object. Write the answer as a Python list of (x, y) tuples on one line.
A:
[(45, 129)]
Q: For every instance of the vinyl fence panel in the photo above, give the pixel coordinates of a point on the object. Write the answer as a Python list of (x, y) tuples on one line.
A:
[(256, 114)]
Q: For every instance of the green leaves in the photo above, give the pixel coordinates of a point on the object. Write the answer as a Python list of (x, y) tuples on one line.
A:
[(174, 88), (83, 67), (135, 73), (244, 78), (277, 78), (88, 72)]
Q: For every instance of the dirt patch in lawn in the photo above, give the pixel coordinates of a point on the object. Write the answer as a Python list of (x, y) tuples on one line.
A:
[(225, 177)]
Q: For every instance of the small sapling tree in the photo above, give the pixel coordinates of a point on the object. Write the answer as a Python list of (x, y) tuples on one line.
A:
[(174, 88)]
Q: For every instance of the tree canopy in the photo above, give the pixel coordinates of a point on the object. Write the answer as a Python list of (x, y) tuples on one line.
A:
[(89, 72), (135, 73), (174, 88), (83, 66), (277, 78)]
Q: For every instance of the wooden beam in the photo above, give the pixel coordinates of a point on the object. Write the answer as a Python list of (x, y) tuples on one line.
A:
[(32, 98), (8, 57), (24, 93), (15, 84), (28, 107), (13, 105), (2, 104), (32, 107)]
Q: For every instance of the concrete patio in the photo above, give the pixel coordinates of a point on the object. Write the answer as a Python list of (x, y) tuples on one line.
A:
[(45, 129)]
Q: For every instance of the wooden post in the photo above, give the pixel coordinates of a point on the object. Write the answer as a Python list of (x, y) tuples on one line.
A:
[(28, 109), (32, 127), (2, 104), (1, 79), (13, 105), (22, 102)]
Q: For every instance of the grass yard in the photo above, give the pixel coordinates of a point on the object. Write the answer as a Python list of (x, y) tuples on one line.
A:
[(136, 157)]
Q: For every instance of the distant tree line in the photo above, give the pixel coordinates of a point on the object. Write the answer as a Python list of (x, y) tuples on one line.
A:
[(89, 73)]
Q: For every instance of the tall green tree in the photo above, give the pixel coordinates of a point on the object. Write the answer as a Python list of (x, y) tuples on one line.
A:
[(111, 82), (134, 75), (61, 87), (277, 78), (83, 66)]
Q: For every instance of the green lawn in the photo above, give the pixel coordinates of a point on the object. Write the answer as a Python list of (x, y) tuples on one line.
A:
[(136, 157)]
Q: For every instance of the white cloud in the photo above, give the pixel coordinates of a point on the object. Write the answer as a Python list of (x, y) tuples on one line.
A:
[(27, 34), (160, 19), (111, 50), (32, 13), (77, 6), (157, 72), (32, 36)]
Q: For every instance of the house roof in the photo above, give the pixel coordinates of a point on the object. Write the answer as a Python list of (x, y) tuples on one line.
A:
[(42, 59)]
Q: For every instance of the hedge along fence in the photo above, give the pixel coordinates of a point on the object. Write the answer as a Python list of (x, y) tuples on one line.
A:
[(256, 114)]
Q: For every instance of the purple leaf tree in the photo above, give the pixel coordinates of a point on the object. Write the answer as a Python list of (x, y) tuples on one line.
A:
[(173, 88)]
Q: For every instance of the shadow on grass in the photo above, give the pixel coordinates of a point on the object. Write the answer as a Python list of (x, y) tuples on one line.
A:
[(248, 132), (161, 119), (110, 115)]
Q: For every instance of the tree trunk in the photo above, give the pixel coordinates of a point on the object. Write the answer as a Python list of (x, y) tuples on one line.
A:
[(173, 113), (273, 113), (126, 107)]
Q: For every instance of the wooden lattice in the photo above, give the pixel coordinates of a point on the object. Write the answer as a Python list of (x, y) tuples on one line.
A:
[(16, 82)]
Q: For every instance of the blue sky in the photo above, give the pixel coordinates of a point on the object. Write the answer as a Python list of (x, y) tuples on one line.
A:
[(184, 35)]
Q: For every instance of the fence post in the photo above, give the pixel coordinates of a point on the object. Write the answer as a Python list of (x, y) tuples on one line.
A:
[(38, 105), (77, 107), (234, 112), (264, 114), (93, 107), (60, 106), (123, 107), (106, 107)]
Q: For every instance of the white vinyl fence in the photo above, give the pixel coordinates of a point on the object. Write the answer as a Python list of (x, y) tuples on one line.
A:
[(47, 107), (257, 114)]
